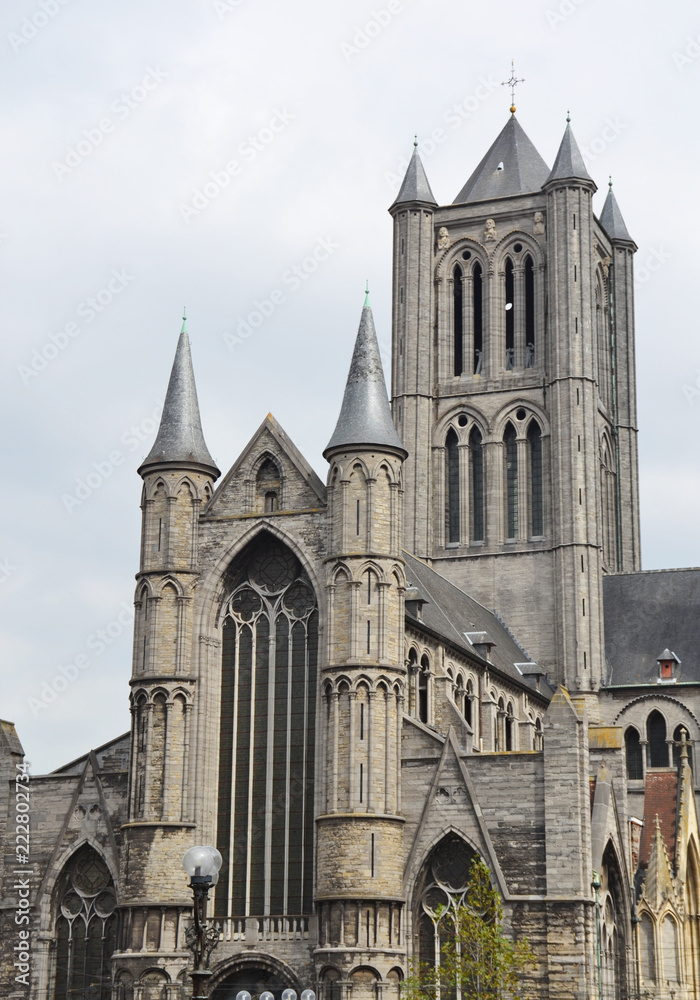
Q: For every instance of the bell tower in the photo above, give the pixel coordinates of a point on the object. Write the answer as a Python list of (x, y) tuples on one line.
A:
[(359, 891), (513, 392)]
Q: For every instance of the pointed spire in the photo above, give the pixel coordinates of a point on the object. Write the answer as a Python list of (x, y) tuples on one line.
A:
[(569, 161), (365, 416), (658, 884), (415, 186), (611, 219), (512, 166), (180, 439)]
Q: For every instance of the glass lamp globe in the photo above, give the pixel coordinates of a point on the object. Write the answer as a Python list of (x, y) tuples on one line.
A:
[(289, 995), (202, 862)]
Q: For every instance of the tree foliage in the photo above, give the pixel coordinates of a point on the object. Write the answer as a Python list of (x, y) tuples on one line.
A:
[(477, 961)]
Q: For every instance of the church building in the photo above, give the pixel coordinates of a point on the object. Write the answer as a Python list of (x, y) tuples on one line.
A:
[(447, 650)]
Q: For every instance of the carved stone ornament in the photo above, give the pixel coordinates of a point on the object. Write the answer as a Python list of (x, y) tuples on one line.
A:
[(538, 228), (607, 261), (490, 230), (443, 238)]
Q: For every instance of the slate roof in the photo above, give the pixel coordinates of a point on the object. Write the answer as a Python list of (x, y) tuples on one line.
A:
[(523, 171), (365, 416), (569, 162), (180, 438), (415, 186), (646, 612), (611, 219), (449, 613)]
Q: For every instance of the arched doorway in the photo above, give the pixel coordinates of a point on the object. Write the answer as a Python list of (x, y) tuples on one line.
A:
[(256, 978)]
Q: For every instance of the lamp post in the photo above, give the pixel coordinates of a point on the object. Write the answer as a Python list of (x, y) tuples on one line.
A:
[(202, 864)]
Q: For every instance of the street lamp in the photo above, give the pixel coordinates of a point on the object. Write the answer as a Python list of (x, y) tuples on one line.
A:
[(202, 864)]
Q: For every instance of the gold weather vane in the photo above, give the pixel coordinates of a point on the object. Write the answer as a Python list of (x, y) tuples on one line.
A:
[(512, 83)]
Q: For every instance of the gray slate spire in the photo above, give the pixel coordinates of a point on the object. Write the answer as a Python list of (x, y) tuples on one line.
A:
[(180, 439), (415, 185), (569, 162), (365, 416), (512, 166), (611, 219)]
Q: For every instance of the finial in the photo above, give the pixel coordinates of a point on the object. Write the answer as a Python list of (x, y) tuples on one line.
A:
[(568, 116), (184, 320), (415, 142), (610, 181), (512, 83), (366, 305), (684, 745)]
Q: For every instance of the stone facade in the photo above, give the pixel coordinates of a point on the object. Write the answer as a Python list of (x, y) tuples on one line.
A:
[(321, 689)]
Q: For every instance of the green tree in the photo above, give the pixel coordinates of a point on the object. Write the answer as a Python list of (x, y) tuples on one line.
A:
[(477, 961)]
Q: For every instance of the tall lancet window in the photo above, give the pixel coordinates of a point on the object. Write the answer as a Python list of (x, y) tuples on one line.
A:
[(478, 318), (511, 476), (510, 315), (267, 735), (476, 459), (530, 345), (451, 488), (534, 440), (458, 319)]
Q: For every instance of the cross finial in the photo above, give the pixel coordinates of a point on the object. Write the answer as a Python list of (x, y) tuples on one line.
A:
[(415, 142), (366, 294), (610, 181), (512, 83), (184, 320)]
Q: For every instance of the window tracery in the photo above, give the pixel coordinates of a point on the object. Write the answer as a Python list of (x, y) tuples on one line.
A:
[(85, 928), (266, 754)]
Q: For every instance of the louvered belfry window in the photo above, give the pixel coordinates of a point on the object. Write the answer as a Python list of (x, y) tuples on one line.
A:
[(267, 734)]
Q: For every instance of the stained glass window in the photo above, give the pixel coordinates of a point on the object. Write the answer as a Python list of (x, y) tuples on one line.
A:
[(267, 736), (85, 929)]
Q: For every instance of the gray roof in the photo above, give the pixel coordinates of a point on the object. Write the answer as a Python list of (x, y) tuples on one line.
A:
[(365, 416), (611, 219), (180, 438), (512, 166), (569, 162), (450, 613), (645, 612), (415, 186)]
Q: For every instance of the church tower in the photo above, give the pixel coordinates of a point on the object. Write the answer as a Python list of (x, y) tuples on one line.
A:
[(178, 474), (359, 891), (513, 392)]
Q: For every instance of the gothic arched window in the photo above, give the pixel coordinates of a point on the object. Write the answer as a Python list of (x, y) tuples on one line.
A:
[(511, 473), (669, 948), (633, 752), (452, 488), (424, 689), (677, 740), (443, 883), (478, 317), (530, 344), (510, 315), (267, 735), (510, 727), (647, 955), (656, 737), (538, 734), (85, 928), (476, 460), (534, 440), (468, 700), (458, 319), (267, 486)]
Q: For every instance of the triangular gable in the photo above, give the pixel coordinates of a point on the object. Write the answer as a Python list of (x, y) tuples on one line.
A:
[(303, 490), (452, 805), (86, 821), (686, 820)]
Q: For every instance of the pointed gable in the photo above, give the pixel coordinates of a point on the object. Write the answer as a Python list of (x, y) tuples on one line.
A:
[(660, 798), (300, 487), (415, 186), (512, 166)]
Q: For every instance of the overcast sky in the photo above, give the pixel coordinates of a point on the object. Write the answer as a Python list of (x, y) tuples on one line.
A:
[(163, 154)]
